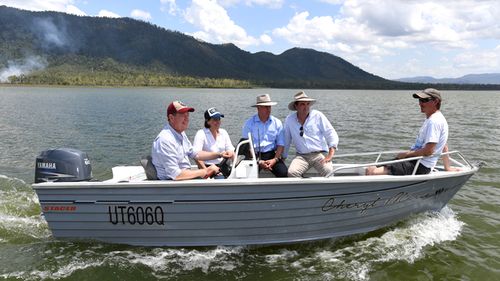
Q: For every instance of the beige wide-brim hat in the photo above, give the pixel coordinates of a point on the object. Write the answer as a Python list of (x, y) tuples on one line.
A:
[(300, 96), (264, 100)]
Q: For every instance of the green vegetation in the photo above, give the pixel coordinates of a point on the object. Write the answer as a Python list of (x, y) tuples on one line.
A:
[(94, 51), (78, 71), (131, 79)]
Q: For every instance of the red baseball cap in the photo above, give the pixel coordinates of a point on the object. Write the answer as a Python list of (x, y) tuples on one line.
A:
[(178, 106)]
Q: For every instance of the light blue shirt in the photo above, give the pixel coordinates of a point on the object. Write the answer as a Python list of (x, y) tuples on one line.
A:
[(265, 136), (170, 153), (319, 134), (434, 130)]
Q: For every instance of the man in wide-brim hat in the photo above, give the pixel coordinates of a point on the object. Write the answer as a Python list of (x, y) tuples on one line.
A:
[(300, 96), (313, 135), (267, 136)]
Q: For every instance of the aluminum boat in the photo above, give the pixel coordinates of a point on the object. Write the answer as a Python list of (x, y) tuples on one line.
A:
[(247, 208)]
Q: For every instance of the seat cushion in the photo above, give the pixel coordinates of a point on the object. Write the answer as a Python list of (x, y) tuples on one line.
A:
[(149, 168)]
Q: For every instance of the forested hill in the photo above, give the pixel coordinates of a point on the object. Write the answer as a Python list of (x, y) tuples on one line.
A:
[(127, 44), (58, 48)]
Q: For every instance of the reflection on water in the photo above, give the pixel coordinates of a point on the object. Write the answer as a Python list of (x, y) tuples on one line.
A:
[(117, 126)]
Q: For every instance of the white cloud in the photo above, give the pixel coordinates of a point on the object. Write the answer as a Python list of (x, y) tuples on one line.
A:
[(266, 39), (70, 9), (445, 23), (172, 6), (326, 33), (334, 2), (368, 31), (140, 14), (478, 61), (275, 4), (107, 14), (216, 25), (269, 3), (65, 6)]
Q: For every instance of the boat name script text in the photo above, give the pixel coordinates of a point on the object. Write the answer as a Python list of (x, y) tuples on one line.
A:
[(136, 215), (333, 204), (330, 204)]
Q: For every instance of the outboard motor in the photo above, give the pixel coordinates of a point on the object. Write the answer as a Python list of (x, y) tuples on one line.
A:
[(62, 165)]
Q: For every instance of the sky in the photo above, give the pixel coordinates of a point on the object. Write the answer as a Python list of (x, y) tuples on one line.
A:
[(389, 38)]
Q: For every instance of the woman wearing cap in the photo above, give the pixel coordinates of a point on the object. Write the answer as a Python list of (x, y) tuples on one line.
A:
[(213, 138)]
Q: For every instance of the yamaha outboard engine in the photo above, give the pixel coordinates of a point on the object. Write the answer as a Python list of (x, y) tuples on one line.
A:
[(62, 165)]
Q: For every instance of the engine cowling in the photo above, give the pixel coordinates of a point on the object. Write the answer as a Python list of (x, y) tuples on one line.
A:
[(62, 165)]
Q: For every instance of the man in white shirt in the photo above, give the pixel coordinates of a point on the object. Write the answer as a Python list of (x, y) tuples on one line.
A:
[(312, 134), (172, 149), (431, 140)]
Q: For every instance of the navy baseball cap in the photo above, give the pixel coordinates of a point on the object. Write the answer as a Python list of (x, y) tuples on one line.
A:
[(213, 113)]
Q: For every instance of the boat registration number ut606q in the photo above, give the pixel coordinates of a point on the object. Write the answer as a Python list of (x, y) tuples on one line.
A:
[(150, 215)]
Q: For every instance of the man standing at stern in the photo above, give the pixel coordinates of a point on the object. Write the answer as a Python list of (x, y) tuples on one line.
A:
[(172, 149), (312, 134)]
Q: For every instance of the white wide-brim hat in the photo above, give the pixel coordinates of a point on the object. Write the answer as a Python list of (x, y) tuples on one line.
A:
[(300, 96), (264, 100)]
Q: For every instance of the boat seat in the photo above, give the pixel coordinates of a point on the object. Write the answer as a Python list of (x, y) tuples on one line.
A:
[(149, 168)]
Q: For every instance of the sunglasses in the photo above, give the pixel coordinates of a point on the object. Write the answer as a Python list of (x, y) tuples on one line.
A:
[(301, 129), (424, 100)]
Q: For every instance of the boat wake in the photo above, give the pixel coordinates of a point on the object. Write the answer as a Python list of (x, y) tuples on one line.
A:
[(404, 243), (355, 258), (20, 219)]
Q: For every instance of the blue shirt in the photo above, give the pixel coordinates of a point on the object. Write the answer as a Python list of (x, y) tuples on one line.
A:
[(170, 153), (318, 133), (265, 136)]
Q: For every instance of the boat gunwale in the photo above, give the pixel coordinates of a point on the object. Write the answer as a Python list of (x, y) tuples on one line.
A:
[(258, 181)]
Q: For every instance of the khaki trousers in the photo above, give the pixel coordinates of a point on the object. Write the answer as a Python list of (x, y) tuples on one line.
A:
[(303, 162)]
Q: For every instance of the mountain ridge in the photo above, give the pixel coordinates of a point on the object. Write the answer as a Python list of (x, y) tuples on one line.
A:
[(480, 78), (58, 48), (137, 43)]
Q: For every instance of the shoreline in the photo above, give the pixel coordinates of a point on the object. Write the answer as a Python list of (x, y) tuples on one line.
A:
[(471, 87)]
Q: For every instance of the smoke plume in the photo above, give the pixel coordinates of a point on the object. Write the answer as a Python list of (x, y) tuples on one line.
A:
[(21, 67)]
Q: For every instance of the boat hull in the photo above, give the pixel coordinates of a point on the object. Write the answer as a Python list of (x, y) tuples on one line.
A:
[(239, 212)]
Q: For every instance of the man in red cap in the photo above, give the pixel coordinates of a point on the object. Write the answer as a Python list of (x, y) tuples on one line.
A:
[(172, 149)]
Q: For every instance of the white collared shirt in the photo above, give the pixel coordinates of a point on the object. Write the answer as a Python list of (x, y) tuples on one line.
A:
[(318, 133), (170, 153), (205, 141)]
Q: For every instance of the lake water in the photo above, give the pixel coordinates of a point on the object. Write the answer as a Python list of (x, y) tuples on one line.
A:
[(117, 126)]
